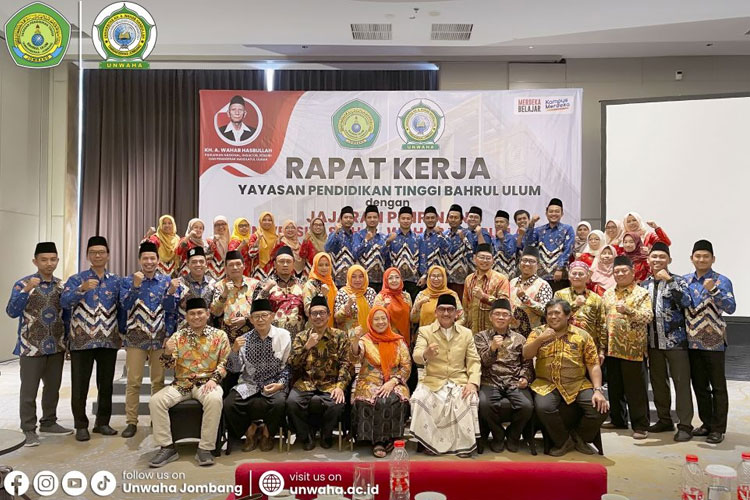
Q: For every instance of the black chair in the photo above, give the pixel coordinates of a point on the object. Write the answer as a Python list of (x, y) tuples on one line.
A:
[(185, 420), (506, 414), (315, 417), (571, 415)]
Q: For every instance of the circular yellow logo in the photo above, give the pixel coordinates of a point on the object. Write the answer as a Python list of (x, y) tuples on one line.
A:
[(38, 37)]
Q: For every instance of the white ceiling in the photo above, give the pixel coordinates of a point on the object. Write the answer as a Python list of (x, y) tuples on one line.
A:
[(319, 30)]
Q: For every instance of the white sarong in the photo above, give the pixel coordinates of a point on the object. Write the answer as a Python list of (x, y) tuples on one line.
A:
[(443, 421)]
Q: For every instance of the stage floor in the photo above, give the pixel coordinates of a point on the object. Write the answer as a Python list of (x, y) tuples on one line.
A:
[(642, 470)]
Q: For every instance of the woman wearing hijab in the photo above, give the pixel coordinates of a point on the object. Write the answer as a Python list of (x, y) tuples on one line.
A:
[(603, 270), (582, 233), (594, 244), (290, 238), (320, 282), (614, 232), (381, 398), (240, 241), (633, 248), (218, 247), (423, 311), (353, 301), (166, 240), (261, 245), (314, 242), (649, 232), (397, 302), (193, 238)]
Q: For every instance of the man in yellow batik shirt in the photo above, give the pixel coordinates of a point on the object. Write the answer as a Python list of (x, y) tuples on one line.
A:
[(481, 289), (628, 312), (587, 306), (565, 355)]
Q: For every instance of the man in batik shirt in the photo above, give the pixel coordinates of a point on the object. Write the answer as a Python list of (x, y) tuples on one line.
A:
[(403, 252), (370, 250), (196, 283), (555, 243), (711, 296), (504, 246), (42, 324), (529, 293), (567, 373), (588, 309), (505, 375), (628, 312), (284, 290), (667, 344), (433, 245), (340, 246), (321, 363), (460, 252), (482, 288)]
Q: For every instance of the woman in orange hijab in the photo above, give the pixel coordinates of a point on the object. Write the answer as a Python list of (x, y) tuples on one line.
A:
[(320, 282), (260, 246), (166, 240), (353, 301), (381, 398), (397, 303)]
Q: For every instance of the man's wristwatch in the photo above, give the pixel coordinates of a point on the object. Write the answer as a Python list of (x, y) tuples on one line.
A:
[(599, 389)]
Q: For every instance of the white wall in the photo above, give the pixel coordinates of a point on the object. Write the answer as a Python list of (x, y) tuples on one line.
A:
[(604, 79), (32, 167)]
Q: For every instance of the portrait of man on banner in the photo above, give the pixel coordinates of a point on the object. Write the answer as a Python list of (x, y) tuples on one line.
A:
[(237, 132)]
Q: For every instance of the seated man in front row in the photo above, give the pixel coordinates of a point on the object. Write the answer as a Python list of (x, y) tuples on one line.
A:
[(445, 405), (565, 354), (505, 375), (261, 358), (321, 363), (198, 354)]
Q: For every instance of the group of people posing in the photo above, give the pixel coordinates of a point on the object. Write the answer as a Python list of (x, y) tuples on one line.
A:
[(268, 331)]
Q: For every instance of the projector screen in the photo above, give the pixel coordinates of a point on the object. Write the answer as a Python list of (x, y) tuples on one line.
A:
[(684, 163)]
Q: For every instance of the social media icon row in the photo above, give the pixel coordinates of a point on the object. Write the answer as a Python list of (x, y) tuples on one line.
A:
[(73, 483)]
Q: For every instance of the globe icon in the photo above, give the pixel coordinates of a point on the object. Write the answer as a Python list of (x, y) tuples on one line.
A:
[(272, 482), (123, 35), (356, 127), (37, 39)]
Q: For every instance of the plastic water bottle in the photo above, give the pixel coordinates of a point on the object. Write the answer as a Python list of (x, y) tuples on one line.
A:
[(693, 480), (743, 478), (399, 472)]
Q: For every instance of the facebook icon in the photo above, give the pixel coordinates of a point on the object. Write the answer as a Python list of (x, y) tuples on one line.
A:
[(16, 483)]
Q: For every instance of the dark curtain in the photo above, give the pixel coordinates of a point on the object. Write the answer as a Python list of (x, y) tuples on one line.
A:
[(355, 80), (141, 140)]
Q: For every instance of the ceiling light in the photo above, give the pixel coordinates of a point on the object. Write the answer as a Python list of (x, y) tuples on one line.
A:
[(531, 46)]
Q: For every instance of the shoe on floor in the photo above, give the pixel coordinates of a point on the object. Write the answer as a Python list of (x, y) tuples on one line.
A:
[(266, 441), (82, 435), (251, 438), (164, 456), (661, 427), (129, 431), (204, 457), (512, 445), (640, 434), (55, 430), (564, 449), (701, 431), (496, 445), (31, 439), (308, 444), (582, 446), (104, 430), (683, 435), (715, 438), (326, 442)]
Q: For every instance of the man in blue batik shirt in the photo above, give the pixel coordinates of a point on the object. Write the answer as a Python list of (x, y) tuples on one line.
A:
[(42, 325), (433, 245), (711, 296), (403, 251), (369, 248), (92, 298), (147, 297), (475, 233), (340, 246), (667, 344), (458, 259), (555, 243), (504, 246)]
